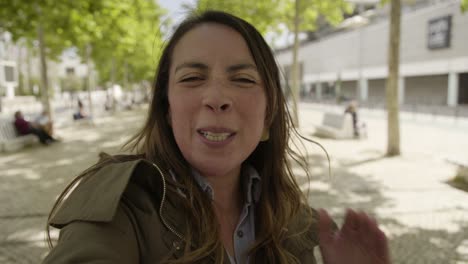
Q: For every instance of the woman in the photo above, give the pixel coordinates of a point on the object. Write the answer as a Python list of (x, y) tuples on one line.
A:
[(210, 181)]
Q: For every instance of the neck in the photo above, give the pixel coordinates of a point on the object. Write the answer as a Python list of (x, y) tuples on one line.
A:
[(227, 191), (227, 203)]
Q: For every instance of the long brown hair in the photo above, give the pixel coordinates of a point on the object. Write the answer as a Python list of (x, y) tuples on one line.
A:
[(281, 198)]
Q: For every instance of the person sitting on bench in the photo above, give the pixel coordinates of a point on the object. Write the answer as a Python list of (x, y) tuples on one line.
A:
[(24, 128)]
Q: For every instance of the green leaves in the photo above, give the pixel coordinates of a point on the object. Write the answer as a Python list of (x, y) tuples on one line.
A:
[(129, 35), (119, 31), (264, 14), (267, 15)]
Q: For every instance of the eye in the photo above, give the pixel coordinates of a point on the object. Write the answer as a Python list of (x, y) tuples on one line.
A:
[(191, 79), (244, 80)]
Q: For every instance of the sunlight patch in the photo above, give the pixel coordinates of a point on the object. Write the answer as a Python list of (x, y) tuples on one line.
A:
[(32, 176), (26, 173)]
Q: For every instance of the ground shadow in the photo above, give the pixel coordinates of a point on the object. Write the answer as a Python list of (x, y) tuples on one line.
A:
[(33, 177), (408, 244)]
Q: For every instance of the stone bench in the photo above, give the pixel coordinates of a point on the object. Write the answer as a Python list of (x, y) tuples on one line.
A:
[(336, 126), (10, 140), (462, 165)]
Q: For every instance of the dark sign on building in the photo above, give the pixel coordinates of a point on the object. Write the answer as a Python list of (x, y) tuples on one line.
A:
[(439, 32), (9, 74)]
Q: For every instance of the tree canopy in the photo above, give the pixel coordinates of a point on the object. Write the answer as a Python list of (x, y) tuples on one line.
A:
[(268, 15), (124, 32)]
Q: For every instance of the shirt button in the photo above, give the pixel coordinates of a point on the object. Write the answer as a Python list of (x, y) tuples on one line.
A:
[(240, 233), (176, 245)]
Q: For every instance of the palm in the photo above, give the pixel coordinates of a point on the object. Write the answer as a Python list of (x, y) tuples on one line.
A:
[(359, 241)]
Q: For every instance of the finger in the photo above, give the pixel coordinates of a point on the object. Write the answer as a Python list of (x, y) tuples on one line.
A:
[(362, 220), (366, 231), (325, 227), (351, 223), (381, 246)]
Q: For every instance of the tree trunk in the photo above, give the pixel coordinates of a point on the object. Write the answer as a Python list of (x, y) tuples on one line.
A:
[(393, 141), (89, 79), (112, 75), (295, 67), (28, 70), (125, 77), (19, 67), (44, 77)]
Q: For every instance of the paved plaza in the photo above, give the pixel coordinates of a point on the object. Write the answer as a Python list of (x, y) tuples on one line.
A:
[(426, 220)]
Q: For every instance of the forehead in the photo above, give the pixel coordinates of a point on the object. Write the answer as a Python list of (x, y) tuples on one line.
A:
[(210, 43)]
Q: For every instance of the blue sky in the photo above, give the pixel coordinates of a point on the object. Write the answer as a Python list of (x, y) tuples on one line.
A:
[(177, 14), (173, 7)]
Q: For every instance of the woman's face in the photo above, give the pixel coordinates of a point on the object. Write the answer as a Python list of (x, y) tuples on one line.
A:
[(217, 100)]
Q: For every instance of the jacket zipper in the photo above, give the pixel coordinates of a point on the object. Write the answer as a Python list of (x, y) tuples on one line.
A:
[(162, 204)]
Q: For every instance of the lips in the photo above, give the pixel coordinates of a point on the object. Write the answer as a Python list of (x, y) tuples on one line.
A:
[(216, 134)]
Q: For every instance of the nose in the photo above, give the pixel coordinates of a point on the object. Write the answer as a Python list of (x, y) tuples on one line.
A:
[(216, 99)]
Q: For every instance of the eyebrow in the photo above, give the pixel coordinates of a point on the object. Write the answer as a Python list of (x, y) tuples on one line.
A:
[(196, 65), (242, 66), (230, 69)]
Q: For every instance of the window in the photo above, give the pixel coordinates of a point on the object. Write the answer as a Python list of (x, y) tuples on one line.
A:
[(70, 71)]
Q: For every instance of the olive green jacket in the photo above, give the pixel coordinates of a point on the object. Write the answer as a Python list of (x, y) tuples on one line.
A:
[(114, 216)]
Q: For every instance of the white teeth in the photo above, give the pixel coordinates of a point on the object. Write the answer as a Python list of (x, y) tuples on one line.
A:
[(215, 136)]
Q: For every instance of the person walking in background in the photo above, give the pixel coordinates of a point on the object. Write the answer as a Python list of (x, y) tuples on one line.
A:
[(352, 110), (109, 104), (80, 114), (24, 127)]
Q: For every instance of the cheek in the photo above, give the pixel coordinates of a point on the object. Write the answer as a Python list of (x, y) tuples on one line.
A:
[(254, 110), (181, 111), (177, 118)]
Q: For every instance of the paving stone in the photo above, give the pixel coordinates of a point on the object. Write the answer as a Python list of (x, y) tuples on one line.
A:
[(425, 220)]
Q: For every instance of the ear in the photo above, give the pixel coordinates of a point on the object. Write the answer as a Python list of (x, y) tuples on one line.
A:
[(265, 134), (266, 130)]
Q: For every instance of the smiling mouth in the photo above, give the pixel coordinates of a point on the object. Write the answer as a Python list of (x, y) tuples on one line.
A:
[(216, 137)]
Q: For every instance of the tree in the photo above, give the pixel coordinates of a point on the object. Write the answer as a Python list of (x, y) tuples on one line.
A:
[(393, 127), (297, 15), (112, 33), (106, 31), (28, 21), (306, 14), (44, 22), (125, 33), (264, 14)]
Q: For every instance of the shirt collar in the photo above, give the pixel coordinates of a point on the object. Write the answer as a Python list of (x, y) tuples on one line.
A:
[(250, 181)]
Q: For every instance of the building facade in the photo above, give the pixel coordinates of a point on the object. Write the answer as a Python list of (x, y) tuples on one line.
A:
[(352, 64), (20, 70)]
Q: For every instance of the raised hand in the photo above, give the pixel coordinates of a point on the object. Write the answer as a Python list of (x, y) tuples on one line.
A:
[(359, 241)]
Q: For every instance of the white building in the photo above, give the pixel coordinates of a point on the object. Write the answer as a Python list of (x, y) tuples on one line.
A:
[(433, 59), (8, 66), (16, 61), (71, 64)]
